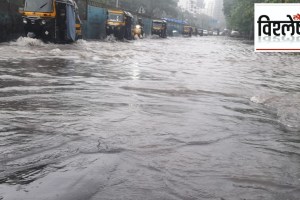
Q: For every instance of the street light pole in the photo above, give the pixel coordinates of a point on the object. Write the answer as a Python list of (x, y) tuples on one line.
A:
[(117, 3)]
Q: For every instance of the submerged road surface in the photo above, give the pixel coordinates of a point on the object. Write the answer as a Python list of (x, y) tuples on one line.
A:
[(180, 118)]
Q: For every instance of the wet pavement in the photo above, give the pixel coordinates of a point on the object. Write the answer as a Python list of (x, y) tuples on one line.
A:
[(180, 118)]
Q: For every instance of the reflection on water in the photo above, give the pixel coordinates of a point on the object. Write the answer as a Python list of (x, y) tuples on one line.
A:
[(180, 118)]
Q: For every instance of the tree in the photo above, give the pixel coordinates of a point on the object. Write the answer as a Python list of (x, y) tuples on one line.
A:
[(152, 7), (240, 13)]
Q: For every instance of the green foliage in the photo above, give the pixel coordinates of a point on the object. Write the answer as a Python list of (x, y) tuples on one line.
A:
[(152, 7), (240, 13)]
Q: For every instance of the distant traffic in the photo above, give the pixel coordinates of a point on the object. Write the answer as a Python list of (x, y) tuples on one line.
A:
[(58, 21)]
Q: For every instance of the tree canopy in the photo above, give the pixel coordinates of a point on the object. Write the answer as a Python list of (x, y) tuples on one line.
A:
[(154, 8), (162, 9), (240, 13)]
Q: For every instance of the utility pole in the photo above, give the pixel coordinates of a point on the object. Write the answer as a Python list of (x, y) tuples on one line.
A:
[(117, 3)]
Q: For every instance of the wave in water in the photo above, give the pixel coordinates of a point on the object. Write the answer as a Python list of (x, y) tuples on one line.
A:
[(286, 106), (26, 41)]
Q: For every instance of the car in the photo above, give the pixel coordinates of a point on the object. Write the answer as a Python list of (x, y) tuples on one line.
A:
[(234, 33), (205, 32), (175, 33), (200, 32)]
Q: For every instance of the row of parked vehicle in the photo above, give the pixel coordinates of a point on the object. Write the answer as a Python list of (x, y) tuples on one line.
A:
[(58, 21)]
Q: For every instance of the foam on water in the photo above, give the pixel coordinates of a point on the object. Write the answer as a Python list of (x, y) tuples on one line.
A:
[(111, 38), (286, 106), (26, 41), (83, 44), (257, 99), (56, 52)]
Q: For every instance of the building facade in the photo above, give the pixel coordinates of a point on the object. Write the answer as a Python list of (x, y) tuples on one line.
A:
[(191, 6)]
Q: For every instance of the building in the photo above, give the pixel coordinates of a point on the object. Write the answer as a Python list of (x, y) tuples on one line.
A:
[(218, 11), (212, 8), (192, 6)]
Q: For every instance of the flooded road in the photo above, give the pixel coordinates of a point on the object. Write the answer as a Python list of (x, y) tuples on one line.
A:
[(181, 118)]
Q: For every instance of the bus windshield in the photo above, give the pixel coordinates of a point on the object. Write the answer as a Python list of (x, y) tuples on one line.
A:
[(115, 17), (38, 6)]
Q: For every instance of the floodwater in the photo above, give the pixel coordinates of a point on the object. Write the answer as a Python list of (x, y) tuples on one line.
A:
[(176, 118)]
